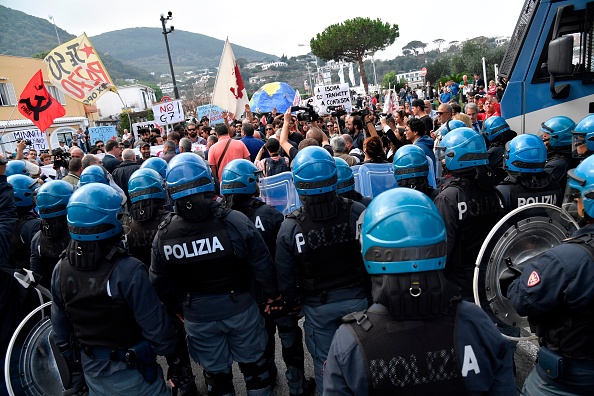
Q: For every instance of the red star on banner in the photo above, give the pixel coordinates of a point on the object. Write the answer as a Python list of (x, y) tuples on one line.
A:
[(87, 50)]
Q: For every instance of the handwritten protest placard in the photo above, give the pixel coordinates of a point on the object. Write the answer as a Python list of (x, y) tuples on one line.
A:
[(332, 95), (38, 139), (214, 113), (103, 133)]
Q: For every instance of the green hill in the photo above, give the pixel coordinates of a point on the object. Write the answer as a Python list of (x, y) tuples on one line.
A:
[(145, 48)]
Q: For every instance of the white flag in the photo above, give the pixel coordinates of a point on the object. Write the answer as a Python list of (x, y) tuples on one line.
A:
[(351, 74), (341, 74), (229, 91)]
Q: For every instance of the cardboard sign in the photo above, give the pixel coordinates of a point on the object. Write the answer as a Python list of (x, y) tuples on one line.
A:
[(37, 138), (332, 95), (169, 112), (140, 125)]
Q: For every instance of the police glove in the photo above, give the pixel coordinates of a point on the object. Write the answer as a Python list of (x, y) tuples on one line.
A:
[(180, 376), (506, 279), (78, 386), (27, 277)]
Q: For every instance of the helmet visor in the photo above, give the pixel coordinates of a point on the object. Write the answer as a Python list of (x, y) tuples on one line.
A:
[(569, 206), (579, 149), (440, 152)]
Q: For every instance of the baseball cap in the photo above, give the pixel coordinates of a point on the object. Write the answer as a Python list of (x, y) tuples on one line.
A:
[(144, 144), (419, 103)]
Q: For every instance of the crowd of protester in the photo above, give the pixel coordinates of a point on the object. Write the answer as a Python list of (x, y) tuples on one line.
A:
[(423, 123)]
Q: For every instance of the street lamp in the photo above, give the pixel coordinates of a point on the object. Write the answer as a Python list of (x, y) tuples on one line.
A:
[(317, 67), (165, 33), (51, 18)]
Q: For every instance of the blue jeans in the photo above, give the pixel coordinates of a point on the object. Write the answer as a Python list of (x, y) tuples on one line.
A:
[(577, 379), (320, 325), (126, 382)]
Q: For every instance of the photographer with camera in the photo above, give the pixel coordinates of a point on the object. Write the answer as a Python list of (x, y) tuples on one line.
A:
[(61, 161)]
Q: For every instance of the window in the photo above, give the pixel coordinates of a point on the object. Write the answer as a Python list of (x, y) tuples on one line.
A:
[(56, 93), (7, 95), (580, 26)]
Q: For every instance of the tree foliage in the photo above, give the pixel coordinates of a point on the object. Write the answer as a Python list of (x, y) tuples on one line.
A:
[(415, 46), (353, 40)]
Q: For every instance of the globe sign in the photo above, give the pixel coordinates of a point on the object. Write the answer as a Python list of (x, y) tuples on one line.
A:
[(277, 95)]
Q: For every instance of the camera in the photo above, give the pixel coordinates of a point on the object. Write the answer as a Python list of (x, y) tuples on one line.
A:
[(27, 142), (337, 111), (361, 113), (61, 158), (308, 113)]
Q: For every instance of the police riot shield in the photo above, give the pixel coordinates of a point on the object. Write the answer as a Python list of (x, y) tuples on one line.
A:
[(30, 368), (374, 179), (279, 191), (520, 236)]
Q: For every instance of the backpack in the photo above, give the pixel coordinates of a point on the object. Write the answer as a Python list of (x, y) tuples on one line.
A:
[(275, 166)]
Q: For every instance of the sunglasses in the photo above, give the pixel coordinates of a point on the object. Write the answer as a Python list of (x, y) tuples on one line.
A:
[(442, 112), (190, 130), (269, 129), (100, 145)]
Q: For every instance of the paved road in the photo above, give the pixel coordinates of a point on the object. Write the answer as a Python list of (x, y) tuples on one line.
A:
[(524, 358)]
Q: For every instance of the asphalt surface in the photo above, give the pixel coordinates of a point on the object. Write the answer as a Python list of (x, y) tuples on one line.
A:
[(524, 360)]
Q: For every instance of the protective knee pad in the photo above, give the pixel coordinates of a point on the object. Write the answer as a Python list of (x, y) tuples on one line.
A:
[(219, 384), (293, 355), (256, 374)]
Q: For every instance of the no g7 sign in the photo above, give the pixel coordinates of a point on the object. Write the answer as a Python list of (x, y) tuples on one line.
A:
[(169, 112)]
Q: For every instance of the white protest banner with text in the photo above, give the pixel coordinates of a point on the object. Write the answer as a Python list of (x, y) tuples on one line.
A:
[(169, 112), (37, 138), (332, 95), (146, 124)]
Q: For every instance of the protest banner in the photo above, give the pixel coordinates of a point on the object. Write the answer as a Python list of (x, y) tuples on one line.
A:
[(76, 69), (38, 139), (332, 95), (169, 112), (145, 124), (214, 113), (103, 133)]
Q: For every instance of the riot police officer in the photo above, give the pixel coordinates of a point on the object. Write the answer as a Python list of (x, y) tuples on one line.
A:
[(157, 164), (28, 224), (497, 133), (557, 136), (203, 259), (583, 138), (147, 195), (527, 182), (411, 169), (446, 128), (556, 292), (51, 240), (417, 322), (317, 241), (468, 203), (239, 187), (107, 320), (346, 183)]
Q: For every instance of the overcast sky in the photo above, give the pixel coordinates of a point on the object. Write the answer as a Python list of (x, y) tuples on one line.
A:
[(279, 27)]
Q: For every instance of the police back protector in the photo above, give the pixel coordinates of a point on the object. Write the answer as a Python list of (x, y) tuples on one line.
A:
[(409, 357), (98, 320), (333, 258), (200, 255)]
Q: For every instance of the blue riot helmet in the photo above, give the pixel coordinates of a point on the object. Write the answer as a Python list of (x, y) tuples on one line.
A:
[(559, 130), (157, 164), (525, 154), (583, 138), (493, 127), (93, 174), (92, 213), (21, 167), (463, 148), (314, 171), (146, 184), (52, 198), (403, 232), (188, 174), (240, 176), (450, 125), (24, 189), (410, 161), (346, 179)]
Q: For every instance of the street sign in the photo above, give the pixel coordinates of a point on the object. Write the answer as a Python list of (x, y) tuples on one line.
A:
[(165, 99), (169, 112), (424, 71)]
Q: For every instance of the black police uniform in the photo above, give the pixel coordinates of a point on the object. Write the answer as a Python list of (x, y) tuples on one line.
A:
[(558, 164), (469, 213), (526, 188), (109, 310), (45, 252), (556, 292)]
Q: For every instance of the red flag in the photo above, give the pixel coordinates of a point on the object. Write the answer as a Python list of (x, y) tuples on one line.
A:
[(38, 105)]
